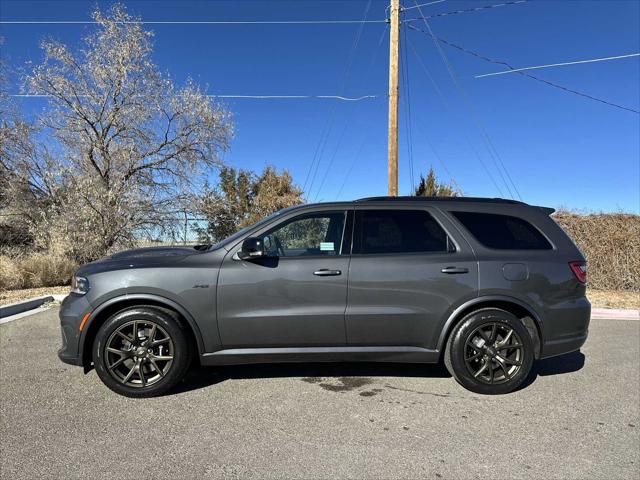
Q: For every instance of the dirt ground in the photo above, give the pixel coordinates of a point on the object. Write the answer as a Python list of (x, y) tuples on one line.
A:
[(13, 296)]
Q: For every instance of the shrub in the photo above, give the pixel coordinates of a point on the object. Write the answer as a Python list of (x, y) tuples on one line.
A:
[(42, 270), (10, 276), (611, 244), (34, 271)]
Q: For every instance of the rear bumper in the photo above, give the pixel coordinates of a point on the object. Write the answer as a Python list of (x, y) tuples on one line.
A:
[(73, 308), (566, 327)]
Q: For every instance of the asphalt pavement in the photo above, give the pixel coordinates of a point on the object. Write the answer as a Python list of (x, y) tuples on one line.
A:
[(577, 418)]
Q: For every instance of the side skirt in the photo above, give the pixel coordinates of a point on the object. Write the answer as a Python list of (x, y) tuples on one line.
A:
[(238, 356)]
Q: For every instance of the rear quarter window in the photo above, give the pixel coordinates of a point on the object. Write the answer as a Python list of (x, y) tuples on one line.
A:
[(503, 232)]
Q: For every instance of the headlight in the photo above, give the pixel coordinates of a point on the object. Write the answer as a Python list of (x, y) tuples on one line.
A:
[(79, 285)]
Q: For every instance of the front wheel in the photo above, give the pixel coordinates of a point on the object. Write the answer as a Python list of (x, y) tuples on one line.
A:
[(490, 352), (141, 352)]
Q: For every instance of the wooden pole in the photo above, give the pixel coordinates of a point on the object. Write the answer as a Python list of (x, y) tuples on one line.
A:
[(392, 146)]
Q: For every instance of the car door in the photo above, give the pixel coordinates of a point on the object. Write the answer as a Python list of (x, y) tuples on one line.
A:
[(408, 271), (296, 296)]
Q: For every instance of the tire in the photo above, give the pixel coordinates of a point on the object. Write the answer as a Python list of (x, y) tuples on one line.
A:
[(142, 351), (480, 359)]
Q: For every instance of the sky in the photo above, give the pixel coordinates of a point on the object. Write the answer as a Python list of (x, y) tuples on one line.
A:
[(506, 135)]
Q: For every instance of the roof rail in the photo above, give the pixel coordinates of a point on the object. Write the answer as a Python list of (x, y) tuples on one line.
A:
[(439, 199)]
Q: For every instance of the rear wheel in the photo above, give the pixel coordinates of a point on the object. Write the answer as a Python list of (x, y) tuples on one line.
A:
[(141, 352), (490, 352)]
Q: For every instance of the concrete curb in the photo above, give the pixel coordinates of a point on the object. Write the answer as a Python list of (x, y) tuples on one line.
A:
[(615, 314), (19, 307)]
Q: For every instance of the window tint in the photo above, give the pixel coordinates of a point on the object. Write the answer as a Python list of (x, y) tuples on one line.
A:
[(311, 234), (503, 232), (397, 231)]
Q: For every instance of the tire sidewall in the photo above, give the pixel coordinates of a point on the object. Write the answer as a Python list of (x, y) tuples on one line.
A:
[(456, 351), (181, 354)]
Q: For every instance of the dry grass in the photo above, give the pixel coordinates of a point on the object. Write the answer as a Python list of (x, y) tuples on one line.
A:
[(611, 244), (13, 296), (613, 299), (34, 271)]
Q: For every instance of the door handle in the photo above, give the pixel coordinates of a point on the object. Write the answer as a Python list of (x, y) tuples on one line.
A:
[(325, 272), (451, 270)]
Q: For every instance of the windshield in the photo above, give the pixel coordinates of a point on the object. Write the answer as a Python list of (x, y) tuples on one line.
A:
[(231, 239)]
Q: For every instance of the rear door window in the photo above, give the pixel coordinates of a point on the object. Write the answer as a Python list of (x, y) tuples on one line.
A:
[(398, 231), (503, 232)]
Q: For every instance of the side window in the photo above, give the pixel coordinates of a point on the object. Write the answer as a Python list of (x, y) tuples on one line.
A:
[(397, 231), (503, 232), (310, 234)]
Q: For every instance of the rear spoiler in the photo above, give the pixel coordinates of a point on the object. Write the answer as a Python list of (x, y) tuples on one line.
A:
[(547, 210)]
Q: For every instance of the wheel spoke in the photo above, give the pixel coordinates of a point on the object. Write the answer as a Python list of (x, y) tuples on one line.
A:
[(473, 357), (135, 331), (152, 334), (483, 334), (481, 369), (124, 353), (130, 374), (505, 340), (126, 337), (493, 332), (505, 370), (155, 367), (117, 362), (159, 342), (504, 347), (162, 357), (511, 362), (143, 379)]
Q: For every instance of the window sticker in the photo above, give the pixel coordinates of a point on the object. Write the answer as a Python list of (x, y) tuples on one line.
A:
[(326, 246)]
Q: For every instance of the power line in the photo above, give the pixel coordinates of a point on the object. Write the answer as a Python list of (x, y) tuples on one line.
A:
[(466, 10), (368, 131), (404, 9), (312, 173), (191, 22), (404, 75), (524, 74), (449, 109), (257, 97), (593, 60), (489, 143)]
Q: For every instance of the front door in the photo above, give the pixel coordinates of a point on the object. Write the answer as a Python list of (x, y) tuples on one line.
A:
[(297, 296), (407, 273)]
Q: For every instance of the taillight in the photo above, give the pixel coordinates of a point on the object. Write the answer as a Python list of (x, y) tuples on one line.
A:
[(579, 269)]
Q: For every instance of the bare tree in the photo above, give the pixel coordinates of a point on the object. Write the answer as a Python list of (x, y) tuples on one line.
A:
[(125, 144)]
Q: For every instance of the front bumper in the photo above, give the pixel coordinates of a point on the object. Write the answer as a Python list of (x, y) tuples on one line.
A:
[(565, 327), (73, 308)]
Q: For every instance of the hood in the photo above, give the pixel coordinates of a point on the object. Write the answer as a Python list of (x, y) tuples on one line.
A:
[(140, 258)]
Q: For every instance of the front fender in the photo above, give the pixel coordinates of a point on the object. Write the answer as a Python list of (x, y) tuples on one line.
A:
[(111, 305)]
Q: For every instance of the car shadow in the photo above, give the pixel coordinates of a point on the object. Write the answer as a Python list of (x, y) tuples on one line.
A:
[(202, 377), (566, 363)]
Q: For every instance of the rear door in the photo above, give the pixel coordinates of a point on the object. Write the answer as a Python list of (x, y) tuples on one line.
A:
[(409, 269)]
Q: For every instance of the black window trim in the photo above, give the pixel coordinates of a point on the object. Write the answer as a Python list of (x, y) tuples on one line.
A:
[(301, 214), (452, 213), (363, 208)]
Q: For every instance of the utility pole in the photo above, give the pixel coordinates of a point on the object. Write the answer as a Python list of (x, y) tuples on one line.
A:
[(392, 147)]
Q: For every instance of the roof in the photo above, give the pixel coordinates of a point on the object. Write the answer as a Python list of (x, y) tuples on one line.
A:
[(439, 199)]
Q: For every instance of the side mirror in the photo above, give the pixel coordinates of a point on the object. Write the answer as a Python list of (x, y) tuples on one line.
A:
[(252, 248)]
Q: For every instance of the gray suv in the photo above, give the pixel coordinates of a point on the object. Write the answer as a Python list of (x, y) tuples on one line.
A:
[(486, 285)]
